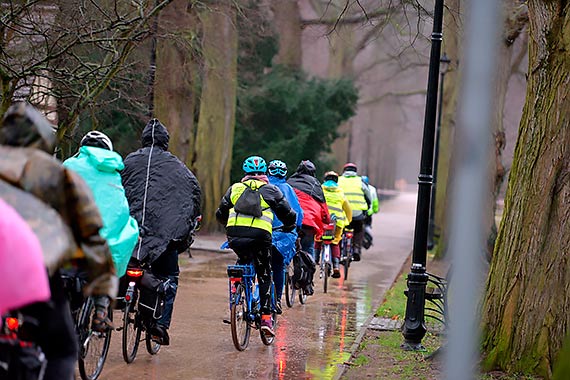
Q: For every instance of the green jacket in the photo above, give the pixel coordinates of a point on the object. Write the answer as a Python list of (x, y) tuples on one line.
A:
[(100, 169)]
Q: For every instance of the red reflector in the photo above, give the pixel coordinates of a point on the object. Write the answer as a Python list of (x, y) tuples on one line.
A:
[(349, 235), (134, 272), (127, 298), (12, 323)]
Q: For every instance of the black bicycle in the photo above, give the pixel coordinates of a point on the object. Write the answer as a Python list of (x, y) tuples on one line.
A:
[(346, 250), (93, 345)]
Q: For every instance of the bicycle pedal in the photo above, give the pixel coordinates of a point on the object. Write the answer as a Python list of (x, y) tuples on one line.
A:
[(227, 321)]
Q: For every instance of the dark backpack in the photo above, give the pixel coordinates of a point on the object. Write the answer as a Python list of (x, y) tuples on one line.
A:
[(249, 202), (304, 269)]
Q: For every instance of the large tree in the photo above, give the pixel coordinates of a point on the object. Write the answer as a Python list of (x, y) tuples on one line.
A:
[(215, 133), (525, 311)]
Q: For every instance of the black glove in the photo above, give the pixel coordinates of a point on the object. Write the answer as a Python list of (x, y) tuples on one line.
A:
[(289, 228)]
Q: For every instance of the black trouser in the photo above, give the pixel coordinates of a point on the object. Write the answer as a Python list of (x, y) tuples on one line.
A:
[(56, 333), (258, 251), (358, 227)]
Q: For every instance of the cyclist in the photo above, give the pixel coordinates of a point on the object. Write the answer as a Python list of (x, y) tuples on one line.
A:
[(339, 208), (250, 235), (164, 197), (358, 196), (99, 166), (23, 276), (312, 200), (284, 243), (374, 204), (26, 163)]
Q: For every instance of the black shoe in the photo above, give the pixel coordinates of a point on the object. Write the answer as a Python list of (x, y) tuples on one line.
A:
[(278, 309), (356, 256), (101, 322), (159, 334), (336, 273)]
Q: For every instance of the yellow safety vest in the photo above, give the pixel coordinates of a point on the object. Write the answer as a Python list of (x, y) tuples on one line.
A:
[(352, 187), (335, 199), (236, 219)]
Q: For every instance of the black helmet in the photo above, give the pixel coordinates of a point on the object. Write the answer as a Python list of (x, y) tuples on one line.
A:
[(277, 168), (306, 167)]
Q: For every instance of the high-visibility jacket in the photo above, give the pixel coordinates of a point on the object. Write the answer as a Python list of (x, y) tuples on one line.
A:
[(237, 219), (338, 205), (352, 187)]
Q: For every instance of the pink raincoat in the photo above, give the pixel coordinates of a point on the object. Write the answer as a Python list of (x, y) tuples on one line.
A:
[(23, 275)]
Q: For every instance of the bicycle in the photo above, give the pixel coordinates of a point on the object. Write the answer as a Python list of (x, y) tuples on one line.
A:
[(135, 320), (245, 305), (325, 254), (346, 250), (290, 288), (93, 345)]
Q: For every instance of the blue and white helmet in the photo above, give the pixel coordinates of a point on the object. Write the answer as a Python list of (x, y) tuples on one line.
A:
[(254, 164), (277, 168)]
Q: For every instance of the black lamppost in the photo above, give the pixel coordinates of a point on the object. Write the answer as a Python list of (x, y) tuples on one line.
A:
[(414, 324), (443, 66)]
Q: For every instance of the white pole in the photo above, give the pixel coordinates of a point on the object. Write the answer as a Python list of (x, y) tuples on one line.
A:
[(470, 189)]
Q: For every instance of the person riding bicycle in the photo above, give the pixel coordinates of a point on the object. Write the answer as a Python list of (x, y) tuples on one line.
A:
[(358, 196), (164, 197), (284, 243), (27, 141), (339, 209), (99, 166), (312, 200), (249, 226)]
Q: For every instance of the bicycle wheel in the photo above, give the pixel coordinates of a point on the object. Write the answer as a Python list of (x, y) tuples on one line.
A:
[(131, 332), (289, 290), (347, 260), (152, 347), (268, 340), (93, 346), (302, 297), (241, 328)]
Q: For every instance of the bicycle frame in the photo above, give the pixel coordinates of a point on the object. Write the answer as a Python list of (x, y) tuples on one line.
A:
[(245, 275)]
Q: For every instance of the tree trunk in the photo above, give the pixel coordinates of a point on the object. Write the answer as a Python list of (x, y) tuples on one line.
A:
[(526, 308), (175, 86), (451, 38), (216, 124), (340, 65), (287, 21)]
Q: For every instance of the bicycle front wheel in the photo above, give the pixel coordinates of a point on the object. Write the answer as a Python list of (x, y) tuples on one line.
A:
[(93, 346), (289, 290), (241, 327), (131, 332)]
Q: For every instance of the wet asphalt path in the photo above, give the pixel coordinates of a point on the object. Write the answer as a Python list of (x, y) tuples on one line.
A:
[(313, 340)]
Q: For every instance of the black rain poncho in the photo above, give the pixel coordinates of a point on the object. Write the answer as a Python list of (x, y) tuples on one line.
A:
[(304, 179), (172, 196)]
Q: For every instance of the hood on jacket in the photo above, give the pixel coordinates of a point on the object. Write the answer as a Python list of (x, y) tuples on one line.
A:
[(25, 126), (349, 173), (155, 132), (257, 177), (103, 159), (307, 167)]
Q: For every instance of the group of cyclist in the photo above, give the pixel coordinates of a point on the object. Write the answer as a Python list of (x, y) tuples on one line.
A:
[(144, 210), (288, 209), (103, 212)]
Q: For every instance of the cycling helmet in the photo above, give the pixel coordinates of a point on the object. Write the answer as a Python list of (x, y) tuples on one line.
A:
[(97, 139), (331, 176), (277, 168), (365, 179), (349, 167), (254, 165)]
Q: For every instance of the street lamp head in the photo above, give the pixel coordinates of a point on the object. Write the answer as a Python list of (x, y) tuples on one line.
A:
[(444, 62)]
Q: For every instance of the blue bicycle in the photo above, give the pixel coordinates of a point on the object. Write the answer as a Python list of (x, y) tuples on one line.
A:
[(244, 305)]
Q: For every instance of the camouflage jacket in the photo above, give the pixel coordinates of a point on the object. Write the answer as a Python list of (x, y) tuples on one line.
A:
[(76, 224)]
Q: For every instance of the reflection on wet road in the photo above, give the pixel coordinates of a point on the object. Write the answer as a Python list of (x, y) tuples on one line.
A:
[(313, 340)]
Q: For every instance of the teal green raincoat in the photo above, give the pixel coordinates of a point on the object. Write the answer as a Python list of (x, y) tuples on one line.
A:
[(100, 169)]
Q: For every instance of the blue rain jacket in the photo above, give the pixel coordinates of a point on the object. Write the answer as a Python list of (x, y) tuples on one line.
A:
[(100, 170), (285, 241)]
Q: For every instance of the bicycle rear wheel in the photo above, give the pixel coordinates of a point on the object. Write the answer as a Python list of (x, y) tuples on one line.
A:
[(131, 332), (241, 327), (289, 290), (93, 346), (268, 340)]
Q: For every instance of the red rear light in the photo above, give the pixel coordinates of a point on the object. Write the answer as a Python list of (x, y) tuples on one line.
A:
[(134, 272), (12, 323), (127, 298), (349, 235)]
